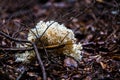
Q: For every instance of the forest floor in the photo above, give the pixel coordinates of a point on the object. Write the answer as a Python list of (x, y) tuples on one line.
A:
[(95, 23)]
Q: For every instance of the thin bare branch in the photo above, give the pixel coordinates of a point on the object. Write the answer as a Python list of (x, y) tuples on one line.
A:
[(35, 49)]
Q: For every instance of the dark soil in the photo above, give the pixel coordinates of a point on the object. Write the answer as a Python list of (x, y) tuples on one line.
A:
[(96, 24)]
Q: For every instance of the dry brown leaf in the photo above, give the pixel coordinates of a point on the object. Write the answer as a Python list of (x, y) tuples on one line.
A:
[(69, 62)]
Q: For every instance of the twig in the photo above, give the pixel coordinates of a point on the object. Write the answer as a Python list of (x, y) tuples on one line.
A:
[(46, 29), (35, 49), (43, 46), (31, 48), (40, 61), (16, 49), (13, 39), (20, 76), (65, 37)]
